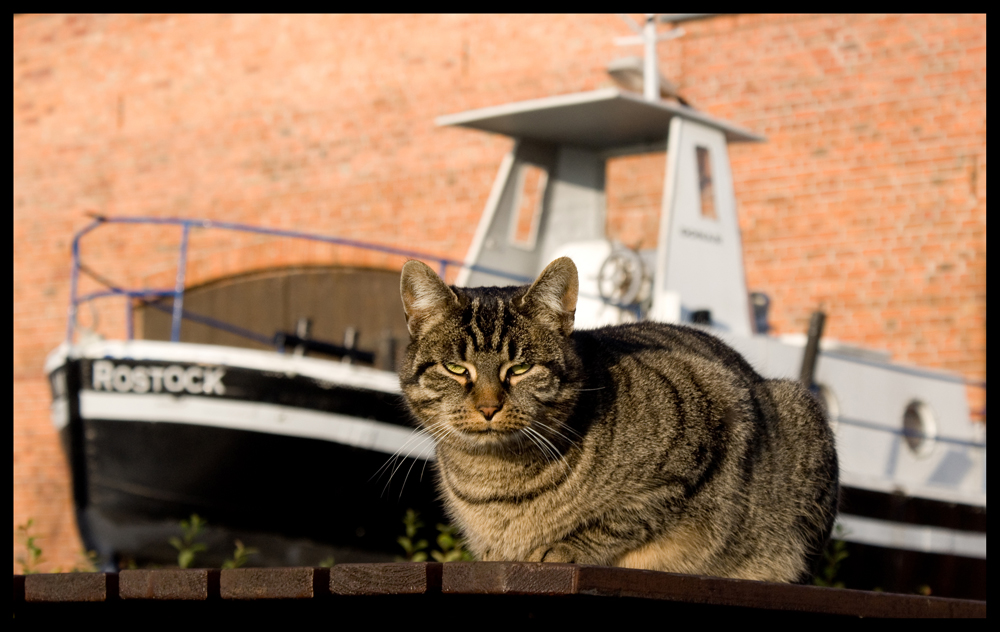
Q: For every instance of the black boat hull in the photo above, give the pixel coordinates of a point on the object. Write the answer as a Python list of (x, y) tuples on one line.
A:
[(278, 491)]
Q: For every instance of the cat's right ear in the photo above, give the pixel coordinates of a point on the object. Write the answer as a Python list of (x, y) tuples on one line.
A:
[(426, 298), (552, 297)]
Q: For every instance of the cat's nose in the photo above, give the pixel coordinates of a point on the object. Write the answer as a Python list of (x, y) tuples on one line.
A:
[(489, 411)]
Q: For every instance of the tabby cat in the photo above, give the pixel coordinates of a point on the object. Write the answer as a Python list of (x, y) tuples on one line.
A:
[(642, 445)]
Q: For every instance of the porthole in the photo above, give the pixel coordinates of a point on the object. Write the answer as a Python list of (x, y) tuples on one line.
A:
[(919, 428)]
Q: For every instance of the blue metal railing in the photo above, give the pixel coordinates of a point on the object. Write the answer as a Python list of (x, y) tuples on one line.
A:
[(905, 432), (908, 370), (178, 311)]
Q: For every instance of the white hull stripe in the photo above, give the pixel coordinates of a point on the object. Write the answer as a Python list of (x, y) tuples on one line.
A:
[(270, 362), (912, 537), (257, 417)]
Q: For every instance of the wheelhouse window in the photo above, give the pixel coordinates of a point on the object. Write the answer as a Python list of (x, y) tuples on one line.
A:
[(705, 186), (531, 183)]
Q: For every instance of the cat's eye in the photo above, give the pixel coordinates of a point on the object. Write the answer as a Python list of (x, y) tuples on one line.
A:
[(518, 369), (457, 369)]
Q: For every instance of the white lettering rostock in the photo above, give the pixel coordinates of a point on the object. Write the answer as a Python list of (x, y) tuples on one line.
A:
[(107, 376)]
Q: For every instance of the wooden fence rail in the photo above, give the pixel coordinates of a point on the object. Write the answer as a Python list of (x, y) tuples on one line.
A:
[(499, 591)]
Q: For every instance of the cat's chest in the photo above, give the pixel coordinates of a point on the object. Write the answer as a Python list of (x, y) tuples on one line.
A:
[(484, 479), (506, 509)]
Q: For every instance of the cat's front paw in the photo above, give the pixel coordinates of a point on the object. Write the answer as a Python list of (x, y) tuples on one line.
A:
[(558, 552)]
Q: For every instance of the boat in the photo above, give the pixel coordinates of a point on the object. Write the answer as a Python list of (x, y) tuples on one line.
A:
[(303, 450), (283, 445)]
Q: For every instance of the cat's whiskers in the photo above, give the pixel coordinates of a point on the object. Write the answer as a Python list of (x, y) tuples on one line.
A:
[(556, 432), (534, 442), (416, 433), (394, 456), (426, 438), (405, 478), (393, 473), (422, 438), (548, 446), (519, 439)]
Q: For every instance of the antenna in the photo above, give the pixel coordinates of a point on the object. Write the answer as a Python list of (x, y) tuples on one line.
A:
[(648, 37)]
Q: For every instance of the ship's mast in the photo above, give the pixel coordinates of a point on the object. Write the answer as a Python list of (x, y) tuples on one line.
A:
[(647, 36)]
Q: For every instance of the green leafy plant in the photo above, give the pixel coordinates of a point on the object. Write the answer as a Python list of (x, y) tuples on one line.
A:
[(88, 562), (187, 548), (239, 557), (32, 557), (415, 549), (833, 556), (452, 547), (127, 564)]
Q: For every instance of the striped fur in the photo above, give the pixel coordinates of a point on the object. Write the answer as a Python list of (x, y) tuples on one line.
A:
[(645, 445)]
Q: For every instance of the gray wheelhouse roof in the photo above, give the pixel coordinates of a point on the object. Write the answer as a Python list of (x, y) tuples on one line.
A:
[(605, 119)]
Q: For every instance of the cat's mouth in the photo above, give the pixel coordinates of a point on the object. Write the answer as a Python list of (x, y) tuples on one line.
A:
[(491, 432)]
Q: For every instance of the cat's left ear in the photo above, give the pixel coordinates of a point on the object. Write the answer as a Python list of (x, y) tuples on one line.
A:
[(426, 298), (553, 294)]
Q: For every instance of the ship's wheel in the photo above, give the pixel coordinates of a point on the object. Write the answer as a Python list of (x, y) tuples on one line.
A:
[(621, 277)]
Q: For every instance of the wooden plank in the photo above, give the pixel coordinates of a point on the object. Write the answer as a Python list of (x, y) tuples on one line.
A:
[(273, 583), (70, 587), (509, 578), (599, 580), (408, 578), (196, 584)]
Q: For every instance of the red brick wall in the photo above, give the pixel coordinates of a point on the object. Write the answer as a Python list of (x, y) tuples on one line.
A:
[(868, 198)]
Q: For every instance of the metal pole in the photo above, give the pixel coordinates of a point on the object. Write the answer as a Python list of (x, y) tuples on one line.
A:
[(175, 325), (74, 303), (74, 275), (812, 348), (650, 73), (129, 321)]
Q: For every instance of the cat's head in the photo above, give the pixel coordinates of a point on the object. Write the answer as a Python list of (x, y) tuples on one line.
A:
[(491, 367)]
